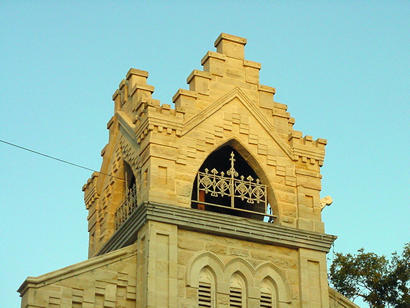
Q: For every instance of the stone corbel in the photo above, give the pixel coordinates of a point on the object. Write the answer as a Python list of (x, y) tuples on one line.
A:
[(325, 201)]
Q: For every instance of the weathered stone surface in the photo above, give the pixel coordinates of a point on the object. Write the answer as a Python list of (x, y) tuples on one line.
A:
[(165, 147), (110, 278), (337, 300), (143, 198)]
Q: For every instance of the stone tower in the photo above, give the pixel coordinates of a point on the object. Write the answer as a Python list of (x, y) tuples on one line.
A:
[(213, 203)]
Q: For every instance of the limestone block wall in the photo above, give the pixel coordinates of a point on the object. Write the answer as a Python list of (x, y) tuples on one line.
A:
[(226, 257), (337, 300), (313, 278), (165, 268), (171, 262), (104, 281), (165, 146)]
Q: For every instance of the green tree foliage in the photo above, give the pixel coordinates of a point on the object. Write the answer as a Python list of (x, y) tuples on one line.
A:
[(378, 281)]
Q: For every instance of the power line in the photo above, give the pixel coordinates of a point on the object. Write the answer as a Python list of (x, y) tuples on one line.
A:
[(57, 159)]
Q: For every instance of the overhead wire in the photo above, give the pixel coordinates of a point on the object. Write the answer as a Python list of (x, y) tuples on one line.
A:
[(57, 159)]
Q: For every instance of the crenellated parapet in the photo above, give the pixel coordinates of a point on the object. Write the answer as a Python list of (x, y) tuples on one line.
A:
[(91, 200), (164, 144), (132, 91), (306, 149), (90, 191), (223, 70), (215, 194), (159, 118)]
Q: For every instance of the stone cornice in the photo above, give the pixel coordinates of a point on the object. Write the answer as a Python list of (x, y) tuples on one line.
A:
[(218, 224), (76, 269), (340, 299)]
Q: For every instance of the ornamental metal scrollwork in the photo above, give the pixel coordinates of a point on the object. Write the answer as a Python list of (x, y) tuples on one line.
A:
[(232, 185)]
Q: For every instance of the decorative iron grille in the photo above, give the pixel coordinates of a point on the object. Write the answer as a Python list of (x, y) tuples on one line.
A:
[(219, 184), (127, 207)]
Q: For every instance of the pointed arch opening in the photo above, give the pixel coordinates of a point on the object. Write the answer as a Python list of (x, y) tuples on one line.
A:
[(269, 298), (226, 183), (273, 286), (237, 291), (129, 177), (206, 288), (129, 203)]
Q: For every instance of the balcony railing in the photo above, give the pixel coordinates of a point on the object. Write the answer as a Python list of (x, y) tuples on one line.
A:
[(127, 207), (236, 187)]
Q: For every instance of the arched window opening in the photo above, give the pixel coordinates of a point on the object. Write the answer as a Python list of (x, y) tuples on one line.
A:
[(129, 203), (268, 294), (129, 178), (237, 292), (206, 289), (225, 183)]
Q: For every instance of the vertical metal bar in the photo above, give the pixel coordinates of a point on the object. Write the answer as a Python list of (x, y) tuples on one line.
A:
[(197, 186), (232, 180), (232, 183), (266, 198)]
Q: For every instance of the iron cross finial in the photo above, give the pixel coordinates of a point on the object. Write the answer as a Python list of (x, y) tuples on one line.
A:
[(232, 172)]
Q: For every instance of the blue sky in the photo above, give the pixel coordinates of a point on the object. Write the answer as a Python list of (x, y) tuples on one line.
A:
[(341, 67)]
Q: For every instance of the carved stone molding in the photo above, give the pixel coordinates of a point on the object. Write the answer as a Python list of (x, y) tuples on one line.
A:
[(218, 224)]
